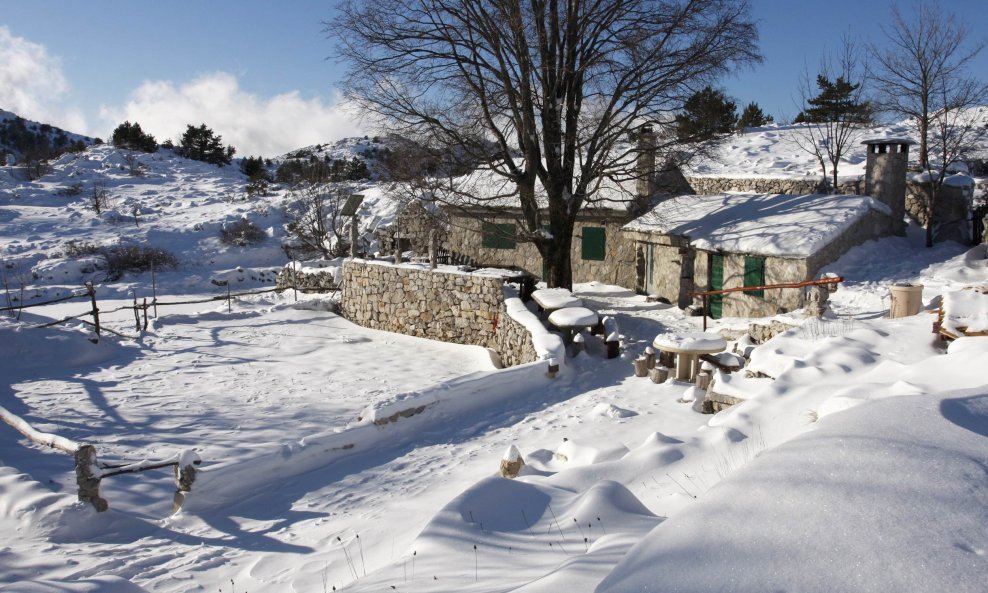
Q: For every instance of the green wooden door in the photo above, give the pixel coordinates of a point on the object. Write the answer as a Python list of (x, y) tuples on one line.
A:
[(716, 283)]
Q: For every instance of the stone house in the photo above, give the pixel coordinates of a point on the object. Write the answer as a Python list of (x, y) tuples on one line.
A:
[(693, 243), (413, 228), (600, 250), (484, 227)]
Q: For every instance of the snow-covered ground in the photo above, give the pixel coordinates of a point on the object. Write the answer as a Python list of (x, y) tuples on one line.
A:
[(859, 466)]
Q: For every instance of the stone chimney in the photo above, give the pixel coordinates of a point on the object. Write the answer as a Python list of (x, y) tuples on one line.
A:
[(885, 176), (646, 163)]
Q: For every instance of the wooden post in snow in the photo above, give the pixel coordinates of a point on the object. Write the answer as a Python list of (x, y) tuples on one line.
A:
[(137, 316), (87, 477), (659, 374), (185, 475), (92, 295), (703, 380), (641, 369)]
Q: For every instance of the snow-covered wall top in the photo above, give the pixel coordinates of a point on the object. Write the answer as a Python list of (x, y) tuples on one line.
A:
[(762, 224)]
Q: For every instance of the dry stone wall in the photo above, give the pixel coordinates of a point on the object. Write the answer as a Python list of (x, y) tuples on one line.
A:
[(445, 305), (308, 281), (766, 185)]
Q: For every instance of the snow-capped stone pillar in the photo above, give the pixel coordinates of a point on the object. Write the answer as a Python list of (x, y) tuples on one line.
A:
[(885, 176), (646, 163), (511, 463)]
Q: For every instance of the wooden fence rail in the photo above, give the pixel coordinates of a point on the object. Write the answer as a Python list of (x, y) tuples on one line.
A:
[(89, 471)]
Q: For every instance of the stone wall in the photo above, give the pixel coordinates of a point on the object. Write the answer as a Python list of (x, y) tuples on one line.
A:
[(413, 227), (952, 210), (307, 280), (765, 185), (618, 267), (778, 270), (445, 305)]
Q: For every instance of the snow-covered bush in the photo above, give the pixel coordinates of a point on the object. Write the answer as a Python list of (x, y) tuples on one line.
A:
[(242, 232), (123, 258)]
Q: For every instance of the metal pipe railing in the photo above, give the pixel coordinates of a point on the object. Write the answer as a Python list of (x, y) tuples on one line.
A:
[(708, 293)]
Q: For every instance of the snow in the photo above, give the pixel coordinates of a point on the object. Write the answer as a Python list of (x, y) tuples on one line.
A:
[(556, 298), (966, 310), (573, 317), (338, 457), (761, 224), (695, 341)]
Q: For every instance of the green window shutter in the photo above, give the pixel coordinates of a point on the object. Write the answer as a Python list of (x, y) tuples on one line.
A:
[(594, 241), (498, 236), (754, 274), (716, 301)]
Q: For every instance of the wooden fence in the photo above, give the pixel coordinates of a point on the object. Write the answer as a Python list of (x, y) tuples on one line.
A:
[(140, 308), (89, 471)]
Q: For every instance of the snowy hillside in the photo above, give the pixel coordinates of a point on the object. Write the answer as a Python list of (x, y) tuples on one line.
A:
[(775, 151), (160, 201), (21, 138)]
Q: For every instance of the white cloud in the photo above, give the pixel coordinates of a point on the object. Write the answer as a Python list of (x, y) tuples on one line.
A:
[(254, 125), (32, 84)]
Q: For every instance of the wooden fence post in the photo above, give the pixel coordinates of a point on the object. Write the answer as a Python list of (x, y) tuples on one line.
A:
[(137, 316), (92, 295), (145, 307), (641, 369), (154, 293), (184, 478), (659, 374), (87, 477)]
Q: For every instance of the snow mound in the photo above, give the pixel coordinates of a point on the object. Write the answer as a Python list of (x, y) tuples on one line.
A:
[(776, 519)]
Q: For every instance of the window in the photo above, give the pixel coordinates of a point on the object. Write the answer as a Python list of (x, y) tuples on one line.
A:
[(593, 243), (499, 235), (754, 274)]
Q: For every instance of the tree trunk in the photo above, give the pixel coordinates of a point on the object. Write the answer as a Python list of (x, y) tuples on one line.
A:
[(930, 211), (558, 262)]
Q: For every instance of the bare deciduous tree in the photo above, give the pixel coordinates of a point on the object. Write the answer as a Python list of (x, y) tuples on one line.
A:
[(315, 223), (923, 74), (835, 112), (99, 197), (542, 94)]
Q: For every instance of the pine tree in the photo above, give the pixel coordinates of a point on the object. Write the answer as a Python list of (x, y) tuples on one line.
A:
[(132, 137), (837, 101), (753, 117), (201, 144), (706, 114)]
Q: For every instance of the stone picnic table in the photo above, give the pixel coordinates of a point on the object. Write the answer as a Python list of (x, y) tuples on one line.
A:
[(573, 319), (552, 299), (688, 347)]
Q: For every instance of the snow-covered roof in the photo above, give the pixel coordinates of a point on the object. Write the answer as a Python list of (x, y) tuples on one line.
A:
[(488, 189), (760, 224)]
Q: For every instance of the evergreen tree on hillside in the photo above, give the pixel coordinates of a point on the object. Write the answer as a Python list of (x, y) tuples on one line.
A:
[(254, 168), (838, 100), (835, 112), (753, 117), (706, 114), (132, 137), (202, 144)]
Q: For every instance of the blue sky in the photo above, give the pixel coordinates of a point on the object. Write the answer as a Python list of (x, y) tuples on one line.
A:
[(257, 71)]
